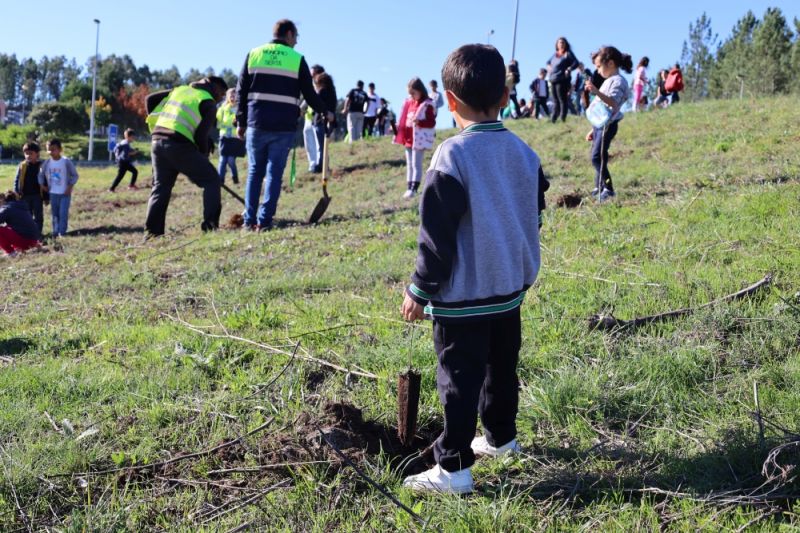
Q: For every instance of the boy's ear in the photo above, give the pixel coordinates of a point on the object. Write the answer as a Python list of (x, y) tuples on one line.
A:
[(504, 99), (452, 101)]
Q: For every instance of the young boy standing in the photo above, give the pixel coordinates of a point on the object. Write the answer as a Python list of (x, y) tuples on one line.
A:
[(478, 254), (124, 153), (58, 176), (26, 183)]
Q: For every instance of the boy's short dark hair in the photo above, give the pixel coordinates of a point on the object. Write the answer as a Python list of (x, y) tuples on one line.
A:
[(317, 69), (217, 81), (360, 84), (371, 85), (476, 74), (9, 196), (54, 142), (282, 28), (434, 83), (129, 131), (542, 71), (33, 147)]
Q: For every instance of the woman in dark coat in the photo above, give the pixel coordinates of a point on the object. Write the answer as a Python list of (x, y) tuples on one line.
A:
[(560, 67), (323, 83)]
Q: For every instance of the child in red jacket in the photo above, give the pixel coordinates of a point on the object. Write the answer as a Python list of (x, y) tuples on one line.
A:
[(416, 131)]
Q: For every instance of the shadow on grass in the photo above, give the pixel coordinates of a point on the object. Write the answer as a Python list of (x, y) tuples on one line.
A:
[(14, 346), (105, 230), (391, 163), (730, 473)]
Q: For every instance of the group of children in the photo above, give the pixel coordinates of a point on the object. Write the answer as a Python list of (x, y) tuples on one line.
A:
[(39, 183), (36, 184)]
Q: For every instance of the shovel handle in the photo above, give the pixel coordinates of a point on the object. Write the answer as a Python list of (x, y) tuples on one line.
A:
[(326, 161)]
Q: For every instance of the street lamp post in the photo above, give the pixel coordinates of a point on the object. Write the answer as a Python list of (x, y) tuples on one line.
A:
[(489, 37), (24, 90), (94, 90), (514, 41)]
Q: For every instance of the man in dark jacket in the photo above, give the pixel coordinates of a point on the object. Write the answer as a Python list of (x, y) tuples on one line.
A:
[(273, 77), (180, 121)]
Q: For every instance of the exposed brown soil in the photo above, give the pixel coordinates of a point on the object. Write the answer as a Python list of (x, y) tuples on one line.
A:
[(344, 426), (236, 221), (569, 201)]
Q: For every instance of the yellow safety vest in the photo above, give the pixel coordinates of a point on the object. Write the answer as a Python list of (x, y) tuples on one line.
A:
[(179, 111), (226, 116), (275, 59)]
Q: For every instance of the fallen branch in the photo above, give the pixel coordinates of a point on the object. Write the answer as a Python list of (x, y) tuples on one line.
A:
[(609, 322), (271, 349), (383, 490), (174, 460), (243, 503)]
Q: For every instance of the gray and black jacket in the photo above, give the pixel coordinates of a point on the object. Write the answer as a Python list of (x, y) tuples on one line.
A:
[(479, 237)]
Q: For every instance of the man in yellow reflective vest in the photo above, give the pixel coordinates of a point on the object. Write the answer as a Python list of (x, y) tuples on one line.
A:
[(270, 84), (180, 121)]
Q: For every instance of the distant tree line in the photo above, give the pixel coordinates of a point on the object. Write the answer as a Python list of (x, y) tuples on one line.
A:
[(56, 92), (759, 58)]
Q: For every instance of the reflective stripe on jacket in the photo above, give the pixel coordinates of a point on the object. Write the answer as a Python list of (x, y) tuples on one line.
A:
[(179, 111)]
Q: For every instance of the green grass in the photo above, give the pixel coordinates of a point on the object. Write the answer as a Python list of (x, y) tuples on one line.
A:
[(620, 431)]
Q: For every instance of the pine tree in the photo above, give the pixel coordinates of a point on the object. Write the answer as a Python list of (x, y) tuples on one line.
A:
[(772, 47), (697, 58), (733, 72), (795, 68)]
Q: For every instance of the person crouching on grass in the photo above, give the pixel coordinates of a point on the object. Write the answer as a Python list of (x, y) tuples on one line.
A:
[(478, 253), (614, 92), (18, 230)]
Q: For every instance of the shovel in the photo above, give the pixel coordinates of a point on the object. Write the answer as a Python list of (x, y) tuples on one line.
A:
[(325, 201), (232, 193), (408, 385)]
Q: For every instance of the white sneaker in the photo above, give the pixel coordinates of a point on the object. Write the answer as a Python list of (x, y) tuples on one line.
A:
[(439, 480), (409, 194), (481, 446)]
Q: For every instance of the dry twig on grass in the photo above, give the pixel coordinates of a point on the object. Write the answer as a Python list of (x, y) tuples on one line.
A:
[(383, 490), (178, 459), (306, 356), (609, 322)]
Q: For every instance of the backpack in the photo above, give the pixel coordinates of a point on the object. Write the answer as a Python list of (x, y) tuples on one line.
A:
[(674, 81), (117, 152)]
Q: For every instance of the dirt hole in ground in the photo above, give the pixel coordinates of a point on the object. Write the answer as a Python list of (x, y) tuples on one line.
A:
[(343, 425), (236, 221), (569, 201)]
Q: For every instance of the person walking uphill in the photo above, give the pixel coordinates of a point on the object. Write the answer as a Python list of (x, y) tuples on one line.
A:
[(478, 253), (273, 77), (560, 67), (180, 121)]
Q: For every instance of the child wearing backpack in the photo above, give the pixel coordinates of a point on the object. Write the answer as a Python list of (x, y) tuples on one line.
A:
[(674, 83), (26, 183), (124, 153), (613, 93), (18, 230), (58, 177)]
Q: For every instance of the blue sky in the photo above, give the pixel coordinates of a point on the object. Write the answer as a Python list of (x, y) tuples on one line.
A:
[(384, 41)]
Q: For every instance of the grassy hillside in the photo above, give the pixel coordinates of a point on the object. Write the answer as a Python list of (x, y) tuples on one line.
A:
[(117, 354)]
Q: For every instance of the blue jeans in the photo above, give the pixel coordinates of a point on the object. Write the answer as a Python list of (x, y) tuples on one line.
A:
[(267, 152), (59, 205), (226, 161)]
